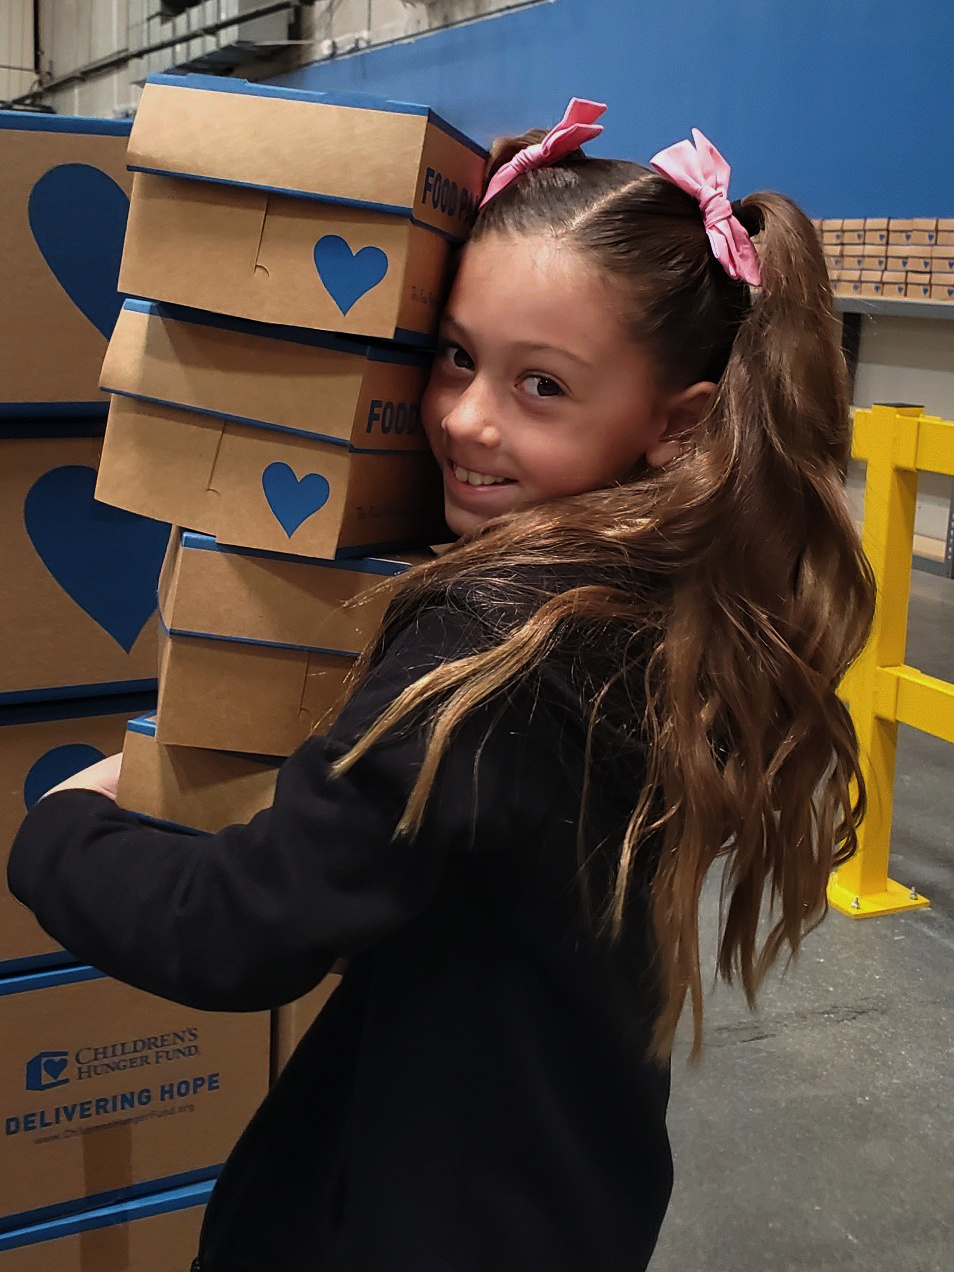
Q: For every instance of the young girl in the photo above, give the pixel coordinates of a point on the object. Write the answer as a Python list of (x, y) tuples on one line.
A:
[(623, 672)]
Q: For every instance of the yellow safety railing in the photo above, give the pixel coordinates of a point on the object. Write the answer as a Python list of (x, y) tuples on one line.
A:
[(897, 443)]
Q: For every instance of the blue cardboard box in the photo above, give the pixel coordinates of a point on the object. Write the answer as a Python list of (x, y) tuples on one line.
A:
[(79, 578), (158, 1232), (108, 1094), (62, 220), (289, 207), (42, 744)]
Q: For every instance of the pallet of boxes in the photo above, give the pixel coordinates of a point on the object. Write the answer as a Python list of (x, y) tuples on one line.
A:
[(100, 1167), (290, 252), (890, 258)]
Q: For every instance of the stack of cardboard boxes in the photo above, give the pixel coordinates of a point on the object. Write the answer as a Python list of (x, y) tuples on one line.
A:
[(289, 252), (881, 256), (105, 1093)]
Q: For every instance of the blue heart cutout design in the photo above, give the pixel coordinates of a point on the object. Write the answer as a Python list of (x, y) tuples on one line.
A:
[(293, 500), (105, 559), (78, 219), (55, 767), (348, 275), (54, 1067)]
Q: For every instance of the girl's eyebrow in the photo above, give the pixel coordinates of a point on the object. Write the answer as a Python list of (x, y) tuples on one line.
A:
[(525, 346)]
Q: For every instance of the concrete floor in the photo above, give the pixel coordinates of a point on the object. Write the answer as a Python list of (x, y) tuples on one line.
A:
[(818, 1134)]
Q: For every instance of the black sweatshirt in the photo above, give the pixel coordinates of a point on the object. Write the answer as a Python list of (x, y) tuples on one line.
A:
[(476, 1096)]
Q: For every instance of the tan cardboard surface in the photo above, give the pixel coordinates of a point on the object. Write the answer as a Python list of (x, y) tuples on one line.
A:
[(206, 473), (291, 1023), (257, 699), (23, 748), (50, 351), (373, 405), (276, 600), (252, 255), (103, 1087), (47, 638), (341, 152), (165, 1242), (190, 786)]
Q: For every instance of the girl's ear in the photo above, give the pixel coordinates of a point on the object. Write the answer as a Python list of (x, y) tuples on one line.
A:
[(682, 413)]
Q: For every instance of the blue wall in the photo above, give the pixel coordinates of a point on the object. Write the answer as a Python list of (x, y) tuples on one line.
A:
[(847, 105)]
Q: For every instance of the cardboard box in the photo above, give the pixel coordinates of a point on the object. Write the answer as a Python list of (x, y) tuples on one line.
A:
[(348, 148), (209, 589), (276, 259), (62, 220), (266, 488), (872, 289), (41, 745), (190, 787), (107, 1092), (367, 397), (942, 291), (945, 238), (79, 579), (158, 1232), (876, 230), (942, 260), (291, 1023), (894, 276), (943, 280), (235, 696), (894, 290), (871, 275), (272, 637), (910, 262), (918, 290), (917, 233), (853, 230)]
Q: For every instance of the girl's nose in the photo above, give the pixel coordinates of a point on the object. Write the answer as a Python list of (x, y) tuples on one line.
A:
[(473, 417)]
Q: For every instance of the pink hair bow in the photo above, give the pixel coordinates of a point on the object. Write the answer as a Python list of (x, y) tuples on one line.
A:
[(577, 126), (702, 172)]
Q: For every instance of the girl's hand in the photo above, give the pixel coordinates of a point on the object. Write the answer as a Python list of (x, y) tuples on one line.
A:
[(101, 776)]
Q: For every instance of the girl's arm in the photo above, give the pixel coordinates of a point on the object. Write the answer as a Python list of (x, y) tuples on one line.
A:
[(255, 915)]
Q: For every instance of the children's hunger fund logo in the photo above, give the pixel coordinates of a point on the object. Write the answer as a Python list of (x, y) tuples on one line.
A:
[(49, 1070)]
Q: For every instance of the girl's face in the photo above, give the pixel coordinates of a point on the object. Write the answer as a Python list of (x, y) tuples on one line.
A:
[(537, 391)]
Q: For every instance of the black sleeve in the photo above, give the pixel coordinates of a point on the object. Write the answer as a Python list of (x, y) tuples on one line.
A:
[(254, 916)]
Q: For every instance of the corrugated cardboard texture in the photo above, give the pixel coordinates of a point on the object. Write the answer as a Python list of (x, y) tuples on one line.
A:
[(257, 699), (294, 262), (291, 1023), (201, 789), (163, 1242), (372, 405), (34, 757), (321, 605), (78, 581), (301, 143), (50, 349), (103, 1087), (262, 488)]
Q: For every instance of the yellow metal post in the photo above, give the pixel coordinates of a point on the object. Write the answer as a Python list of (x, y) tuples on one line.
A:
[(887, 437)]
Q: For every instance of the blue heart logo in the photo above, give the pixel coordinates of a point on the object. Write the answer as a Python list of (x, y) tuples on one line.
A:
[(54, 1067), (348, 275), (292, 499), (105, 559), (55, 767), (78, 219)]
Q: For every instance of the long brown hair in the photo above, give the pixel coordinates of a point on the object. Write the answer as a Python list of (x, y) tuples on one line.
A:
[(737, 566)]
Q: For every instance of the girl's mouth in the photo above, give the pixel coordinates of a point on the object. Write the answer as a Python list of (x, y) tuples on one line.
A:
[(475, 480)]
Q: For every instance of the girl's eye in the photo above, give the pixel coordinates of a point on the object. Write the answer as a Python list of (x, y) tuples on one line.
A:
[(541, 386), (457, 356)]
